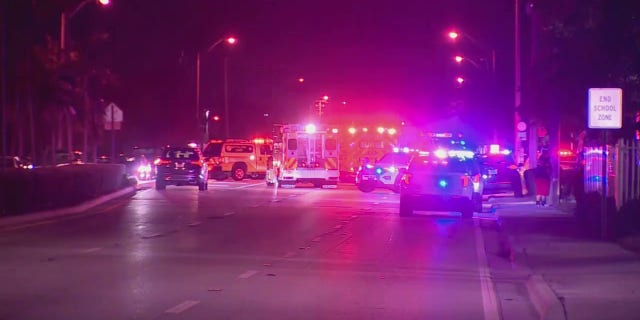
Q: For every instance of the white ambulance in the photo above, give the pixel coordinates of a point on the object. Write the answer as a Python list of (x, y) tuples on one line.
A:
[(304, 153)]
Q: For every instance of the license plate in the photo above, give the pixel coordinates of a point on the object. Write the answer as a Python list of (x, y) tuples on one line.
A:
[(365, 177)]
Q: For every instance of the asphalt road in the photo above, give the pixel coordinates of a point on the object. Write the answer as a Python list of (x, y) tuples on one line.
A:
[(242, 250)]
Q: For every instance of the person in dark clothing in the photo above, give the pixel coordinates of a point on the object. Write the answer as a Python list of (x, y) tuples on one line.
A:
[(542, 178)]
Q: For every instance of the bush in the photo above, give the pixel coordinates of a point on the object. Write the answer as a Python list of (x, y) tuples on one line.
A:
[(23, 191)]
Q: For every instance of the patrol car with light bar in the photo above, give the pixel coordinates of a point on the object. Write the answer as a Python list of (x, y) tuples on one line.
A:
[(442, 180)]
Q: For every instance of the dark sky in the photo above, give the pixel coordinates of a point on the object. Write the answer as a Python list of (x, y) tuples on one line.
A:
[(382, 57)]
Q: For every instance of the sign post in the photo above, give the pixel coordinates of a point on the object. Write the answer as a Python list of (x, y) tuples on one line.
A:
[(605, 112), (113, 117)]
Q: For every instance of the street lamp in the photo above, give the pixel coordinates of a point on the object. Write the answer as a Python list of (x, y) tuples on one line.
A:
[(460, 80), (228, 40), (458, 59), (68, 15), (454, 35)]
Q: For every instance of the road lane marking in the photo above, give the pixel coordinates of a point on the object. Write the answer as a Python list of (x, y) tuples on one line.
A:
[(247, 186), (91, 250), (62, 218), (229, 213), (487, 288), (247, 274), (182, 307), (289, 254)]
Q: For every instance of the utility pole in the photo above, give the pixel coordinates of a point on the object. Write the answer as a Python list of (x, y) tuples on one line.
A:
[(517, 147), (3, 79), (226, 97)]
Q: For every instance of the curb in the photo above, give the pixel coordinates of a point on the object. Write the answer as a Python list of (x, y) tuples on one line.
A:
[(543, 299), (43, 215)]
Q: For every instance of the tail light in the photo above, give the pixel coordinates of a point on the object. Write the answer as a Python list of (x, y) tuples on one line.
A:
[(196, 162), (465, 181), (476, 178), (406, 178), (160, 162)]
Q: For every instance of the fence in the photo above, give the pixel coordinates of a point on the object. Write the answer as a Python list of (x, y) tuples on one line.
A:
[(623, 171), (627, 182)]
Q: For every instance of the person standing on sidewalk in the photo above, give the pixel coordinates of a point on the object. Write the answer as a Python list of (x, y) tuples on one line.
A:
[(542, 178)]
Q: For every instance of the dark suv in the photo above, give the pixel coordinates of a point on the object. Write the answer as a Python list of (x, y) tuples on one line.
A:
[(500, 173), (181, 166)]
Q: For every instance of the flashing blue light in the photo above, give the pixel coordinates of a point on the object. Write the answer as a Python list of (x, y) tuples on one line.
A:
[(379, 170), (462, 142), (442, 183)]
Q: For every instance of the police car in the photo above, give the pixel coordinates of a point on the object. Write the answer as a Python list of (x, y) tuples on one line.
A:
[(385, 173), (442, 180)]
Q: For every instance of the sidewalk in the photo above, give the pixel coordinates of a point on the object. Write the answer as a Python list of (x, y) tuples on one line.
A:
[(572, 276)]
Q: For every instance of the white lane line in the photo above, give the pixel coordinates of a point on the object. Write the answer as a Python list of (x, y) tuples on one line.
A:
[(248, 186), (289, 254), (229, 213), (182, 307), (247, 274), (91, 250), (487, 288)]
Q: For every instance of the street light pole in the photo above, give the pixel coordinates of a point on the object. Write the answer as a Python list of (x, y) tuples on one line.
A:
[(226, 97), (229, 40), (517, 88)]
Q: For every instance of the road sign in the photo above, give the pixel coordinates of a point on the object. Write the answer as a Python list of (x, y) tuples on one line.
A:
[(113, 117), (605, 108)]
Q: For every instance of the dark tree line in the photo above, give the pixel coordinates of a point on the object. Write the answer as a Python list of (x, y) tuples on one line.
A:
[(55, 97)]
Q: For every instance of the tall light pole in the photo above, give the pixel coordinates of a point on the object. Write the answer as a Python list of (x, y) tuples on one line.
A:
[(519, 152), (68, 15), (228, 40)]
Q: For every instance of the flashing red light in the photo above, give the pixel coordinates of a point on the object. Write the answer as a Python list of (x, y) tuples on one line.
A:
[(352, 130), (453, 35), (325, 98), (458, 59), (232, 40), (566, 153), (301, 80), (216, 118), (258, 140), (460, 80), (104, 2)]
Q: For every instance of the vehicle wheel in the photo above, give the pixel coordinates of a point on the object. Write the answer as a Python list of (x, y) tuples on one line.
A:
[(270, 184), (406, 210), (238, 172), (516, 186), (160, 185), (366, 187), (477, 202), (467, 211), (220, 177)]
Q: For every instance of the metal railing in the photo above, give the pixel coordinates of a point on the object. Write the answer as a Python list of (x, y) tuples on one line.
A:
[(627, 172), (623, 171)]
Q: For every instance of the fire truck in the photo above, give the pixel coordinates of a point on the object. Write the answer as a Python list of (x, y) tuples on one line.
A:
[(304, 154), (238, 158), (362, 144)]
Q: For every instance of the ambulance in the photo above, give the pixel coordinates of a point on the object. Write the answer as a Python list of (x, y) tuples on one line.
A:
[(304, 153), (238, 158), (361, 145)]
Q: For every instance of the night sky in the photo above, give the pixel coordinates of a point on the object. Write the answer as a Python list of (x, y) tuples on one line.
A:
[(384, 58)]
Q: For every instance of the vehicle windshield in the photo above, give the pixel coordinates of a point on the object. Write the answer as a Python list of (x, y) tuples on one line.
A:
[(498, 160), (452, 164), (181, 154), (213, 149), (395, 158)]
